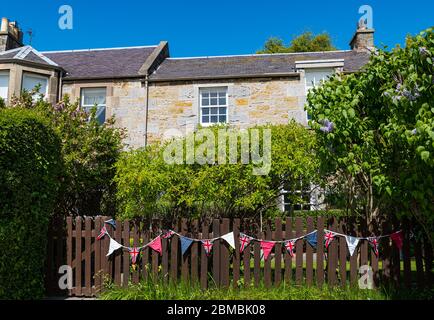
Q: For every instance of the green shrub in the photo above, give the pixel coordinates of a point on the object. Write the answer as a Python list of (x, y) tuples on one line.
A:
[(30, 166), (149, 186)]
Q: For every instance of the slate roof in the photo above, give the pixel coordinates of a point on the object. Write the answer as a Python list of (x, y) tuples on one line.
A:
[(249, 65), (101, 63), (27, 54)]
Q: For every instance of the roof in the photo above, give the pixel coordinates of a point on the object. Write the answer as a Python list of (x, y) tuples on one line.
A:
[(27, 54), (249, 65), (102, 63)]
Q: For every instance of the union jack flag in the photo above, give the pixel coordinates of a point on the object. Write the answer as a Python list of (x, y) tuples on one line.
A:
[(244, 241), (168, 234), (134, 252), (102, 233), (328, 238), (289, 246), (207, 245), (374, 244)]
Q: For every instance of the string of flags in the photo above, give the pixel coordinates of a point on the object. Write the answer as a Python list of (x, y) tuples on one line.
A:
[(245, 240)]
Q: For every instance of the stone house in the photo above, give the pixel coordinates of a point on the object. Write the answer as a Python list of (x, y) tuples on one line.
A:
[(150, 93)]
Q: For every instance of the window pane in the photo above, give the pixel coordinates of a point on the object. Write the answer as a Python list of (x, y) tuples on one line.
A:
[(205, 119), (205, 102), (31, 81), (205, 94), (4, 85), (222, 101), (222, 110), (213, 94), (205, 110), (222, 118), (214, 119), (213, 101), (214, 110), (93, 96)]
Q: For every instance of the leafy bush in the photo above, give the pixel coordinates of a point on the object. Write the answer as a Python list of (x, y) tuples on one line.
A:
[(89, 152), (149, 186), (380, 146), (30, 167)]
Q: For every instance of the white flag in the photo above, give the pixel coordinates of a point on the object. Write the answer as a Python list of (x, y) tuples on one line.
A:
[(113, 246), (352, 243), (229, 238)]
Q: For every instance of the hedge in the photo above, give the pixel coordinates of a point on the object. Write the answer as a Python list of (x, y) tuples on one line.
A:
[(30, 166)]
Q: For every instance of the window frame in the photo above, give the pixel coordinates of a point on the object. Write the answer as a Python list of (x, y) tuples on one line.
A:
[(86, 107), (309, 87), (7, 73), (210, 89)]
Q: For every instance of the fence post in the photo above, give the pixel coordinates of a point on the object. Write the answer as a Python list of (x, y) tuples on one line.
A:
[(299, 252), (236, 261), (246, 258), (195, 247), (126, 257), (267, 262), (184, 257), (87, 255), (204, 259), (288, 258), (224, 255), (320, 252), (309, 254), (342, 255), (78, 258), (278, 253), (332, 256)]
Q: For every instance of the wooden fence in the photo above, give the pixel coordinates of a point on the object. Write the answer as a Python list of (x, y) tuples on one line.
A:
[(73, 242)]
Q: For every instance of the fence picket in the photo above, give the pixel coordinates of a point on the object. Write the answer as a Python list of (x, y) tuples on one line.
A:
[(236, 257), (78, 258), (267, 262), (126, 257), (204, 259), (320, 252), (278, 253), (88, 255), (299, 252), (288, 258), (309, 254)]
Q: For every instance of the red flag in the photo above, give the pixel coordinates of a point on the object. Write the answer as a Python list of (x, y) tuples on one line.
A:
[(102, 233), (244, 241), (289, 246), (207, 245), (134, 252), (374, 244), (328, 237), (168, 234), (156, 245), (266, 247), (398, 239)]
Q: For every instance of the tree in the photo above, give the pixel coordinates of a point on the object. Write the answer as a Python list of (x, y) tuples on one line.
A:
[(376, 130), (89, 152), (306, 42), (149, 186)]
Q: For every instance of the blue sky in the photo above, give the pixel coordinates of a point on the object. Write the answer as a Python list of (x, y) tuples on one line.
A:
[(219, 27)]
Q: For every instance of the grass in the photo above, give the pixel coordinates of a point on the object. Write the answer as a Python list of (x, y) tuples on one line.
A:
[(183, 291)]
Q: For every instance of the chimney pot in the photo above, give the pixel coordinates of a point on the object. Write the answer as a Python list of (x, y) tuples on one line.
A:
[(5, 25)]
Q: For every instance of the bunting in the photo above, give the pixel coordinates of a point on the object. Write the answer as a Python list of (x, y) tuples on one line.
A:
[(207, 246), (352, 243), (168, 234), (134, 252), (229, 238), (266, 247), (156, 245), (102, 233), (185, 244), (114, 245), (398, 239), (374, 244), (111, 222), (311, 238), (328, 238), (244, 241), (289, 246)]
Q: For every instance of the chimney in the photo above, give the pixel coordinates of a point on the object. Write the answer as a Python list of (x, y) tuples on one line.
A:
[(11, 36), (363, 39)]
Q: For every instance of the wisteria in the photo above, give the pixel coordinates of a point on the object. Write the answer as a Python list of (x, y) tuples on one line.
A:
[(327, 127)]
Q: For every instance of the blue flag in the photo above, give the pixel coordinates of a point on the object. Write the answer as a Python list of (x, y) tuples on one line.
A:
[(185, 244), (111, 222), (312, 239)]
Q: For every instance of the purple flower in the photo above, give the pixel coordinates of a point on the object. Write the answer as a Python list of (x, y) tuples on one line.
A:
[(414, 131), (327, 126), (423, 51)]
